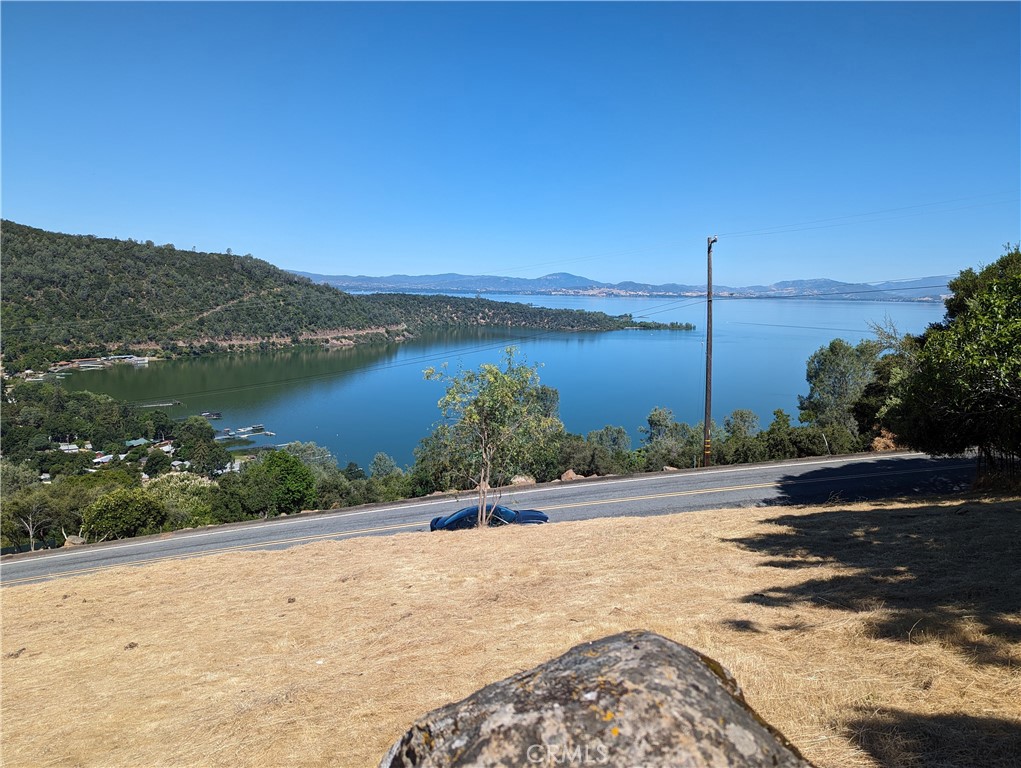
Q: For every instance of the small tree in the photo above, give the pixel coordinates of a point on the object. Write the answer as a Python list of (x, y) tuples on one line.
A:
[(122, 514), (495, 419), (278, 483), (156, 463), (837, 375), (32, 511), (196, 443)]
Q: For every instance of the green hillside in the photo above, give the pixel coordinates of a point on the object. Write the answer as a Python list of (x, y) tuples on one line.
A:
[(66, 296)]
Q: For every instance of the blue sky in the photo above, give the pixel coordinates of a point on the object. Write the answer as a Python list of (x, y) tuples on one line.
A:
[(855, 141)]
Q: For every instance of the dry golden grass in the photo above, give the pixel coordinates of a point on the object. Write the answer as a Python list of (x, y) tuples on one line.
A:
[(870, 635)]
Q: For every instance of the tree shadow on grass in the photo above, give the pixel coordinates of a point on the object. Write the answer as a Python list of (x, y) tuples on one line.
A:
[(897, 739), (942, 572)]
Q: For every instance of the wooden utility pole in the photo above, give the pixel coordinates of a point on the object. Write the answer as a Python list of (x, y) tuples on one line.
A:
[(707, 438)]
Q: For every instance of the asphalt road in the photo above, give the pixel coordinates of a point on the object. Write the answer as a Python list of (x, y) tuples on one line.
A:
[(807, 481)]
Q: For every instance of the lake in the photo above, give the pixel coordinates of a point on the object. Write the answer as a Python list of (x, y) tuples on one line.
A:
[(357, 401)]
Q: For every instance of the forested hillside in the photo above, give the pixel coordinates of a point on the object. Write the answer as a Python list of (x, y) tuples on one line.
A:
[(66, 296)]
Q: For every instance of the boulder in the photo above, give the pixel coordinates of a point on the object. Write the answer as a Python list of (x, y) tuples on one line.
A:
[(522, 480), (73, 541), (570, 475), (633, 699)]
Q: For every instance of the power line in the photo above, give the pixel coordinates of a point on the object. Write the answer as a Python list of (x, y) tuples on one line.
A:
[(805, 327)]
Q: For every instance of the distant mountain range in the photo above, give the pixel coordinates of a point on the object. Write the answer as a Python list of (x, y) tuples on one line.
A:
[(565, 284)]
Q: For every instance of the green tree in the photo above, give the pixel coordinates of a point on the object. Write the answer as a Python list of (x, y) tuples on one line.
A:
[(742, 441), (670, 443), (383, 466), (278, 483), (495, 419), (779, 437), (14, 477), (969, 284), (837, 375), (196, 443), (964, 388), (435, 468), (157, 463), (353, 472), (122, 514), (314, 456), (32, 511), (186, 497)]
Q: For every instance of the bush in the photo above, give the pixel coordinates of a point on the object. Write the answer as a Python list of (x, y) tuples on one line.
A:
[(123, 513)]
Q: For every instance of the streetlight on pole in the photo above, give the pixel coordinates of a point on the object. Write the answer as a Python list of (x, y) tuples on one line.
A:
[(707, 444)]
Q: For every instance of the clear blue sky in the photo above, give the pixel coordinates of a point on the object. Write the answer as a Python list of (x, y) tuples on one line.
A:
[(855, 141)]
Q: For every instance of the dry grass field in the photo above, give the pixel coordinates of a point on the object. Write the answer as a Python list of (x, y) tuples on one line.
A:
[(871, 635)]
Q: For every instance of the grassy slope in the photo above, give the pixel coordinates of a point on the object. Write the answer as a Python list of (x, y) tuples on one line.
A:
[(870, 635)]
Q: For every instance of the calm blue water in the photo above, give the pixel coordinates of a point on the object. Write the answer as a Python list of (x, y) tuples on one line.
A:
[(360, 401)]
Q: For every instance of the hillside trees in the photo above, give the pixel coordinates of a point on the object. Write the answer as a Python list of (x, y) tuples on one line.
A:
[(68, 296), (496, 421)]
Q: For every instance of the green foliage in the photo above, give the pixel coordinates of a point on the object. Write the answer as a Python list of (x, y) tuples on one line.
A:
[(122, 514), (277, 483), (353, 472), (187, 499), (28, 514), (157, 463), (68, 296), (968, 285), (669, 443), (35, 411), (196, 443), (383, 466), (315, 457), (14, 477), (779, 437), (870, 406), (334, 490), (58, 506), (837, 375), (963, 387), (741, 441), (499, 422)]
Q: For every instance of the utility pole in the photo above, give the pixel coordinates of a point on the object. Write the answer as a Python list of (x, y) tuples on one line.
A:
[(707, 438)]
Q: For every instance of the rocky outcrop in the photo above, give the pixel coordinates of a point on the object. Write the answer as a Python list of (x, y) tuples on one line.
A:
[(634, 699)]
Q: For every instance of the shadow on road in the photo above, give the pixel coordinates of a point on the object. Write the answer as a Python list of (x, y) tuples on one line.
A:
[(879, 479)]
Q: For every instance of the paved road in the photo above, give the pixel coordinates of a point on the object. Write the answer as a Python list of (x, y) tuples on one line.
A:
[(809, 481)]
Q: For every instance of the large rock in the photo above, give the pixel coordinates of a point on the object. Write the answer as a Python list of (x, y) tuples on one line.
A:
[(634, 699)]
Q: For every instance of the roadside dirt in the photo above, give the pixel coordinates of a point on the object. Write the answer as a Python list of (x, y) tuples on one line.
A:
[(882, 635)]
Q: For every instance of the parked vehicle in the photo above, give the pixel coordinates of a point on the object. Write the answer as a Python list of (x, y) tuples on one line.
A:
[(500, 515)]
